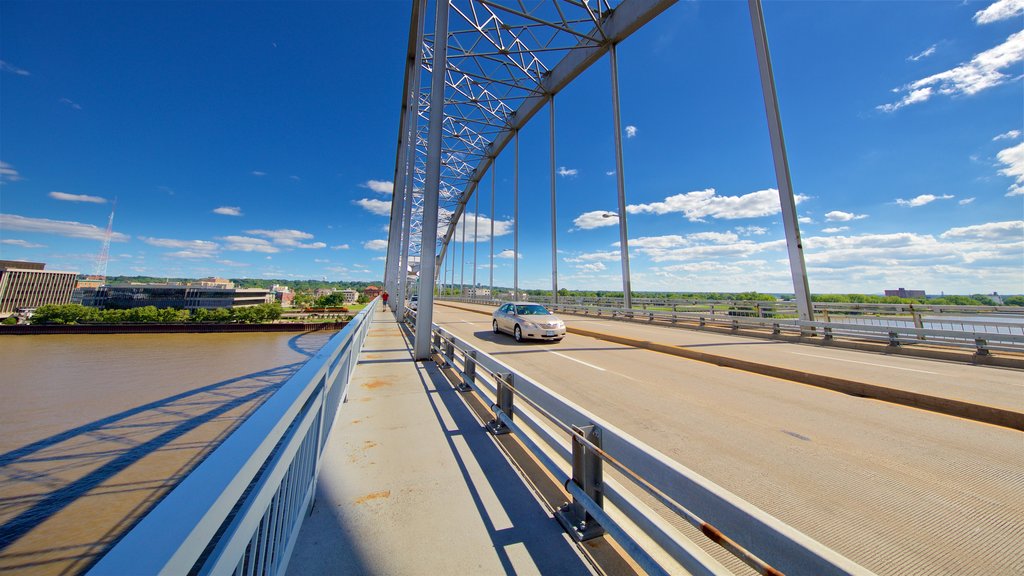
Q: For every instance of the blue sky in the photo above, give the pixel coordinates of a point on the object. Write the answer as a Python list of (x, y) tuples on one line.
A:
[(257, 140)]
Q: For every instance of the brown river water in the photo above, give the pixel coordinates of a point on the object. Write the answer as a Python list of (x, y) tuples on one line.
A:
[(95, 429)]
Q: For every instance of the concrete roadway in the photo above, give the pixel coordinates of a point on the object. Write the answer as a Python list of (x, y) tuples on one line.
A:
[(896, 489)]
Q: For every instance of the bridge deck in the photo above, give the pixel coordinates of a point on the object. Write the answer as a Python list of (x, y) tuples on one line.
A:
[(412, 484)]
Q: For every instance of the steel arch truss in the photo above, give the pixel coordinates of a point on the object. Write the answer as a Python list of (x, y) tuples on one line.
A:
[(504, 61)]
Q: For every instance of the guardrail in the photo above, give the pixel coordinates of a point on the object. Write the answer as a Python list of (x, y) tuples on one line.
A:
[(574, 445), (981, 336), (240, 510)]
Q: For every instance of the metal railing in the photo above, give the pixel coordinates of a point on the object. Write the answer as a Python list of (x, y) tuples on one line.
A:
[(983, 336), (240, 510), (574, 445)]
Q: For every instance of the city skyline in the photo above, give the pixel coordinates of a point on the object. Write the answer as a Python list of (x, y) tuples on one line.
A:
[(261, 145)]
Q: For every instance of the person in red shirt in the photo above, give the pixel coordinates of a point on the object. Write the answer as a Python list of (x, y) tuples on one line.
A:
[(384, 297)]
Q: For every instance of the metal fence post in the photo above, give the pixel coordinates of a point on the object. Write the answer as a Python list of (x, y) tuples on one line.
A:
[(982, 345), (449, 352), (588, 474), (506, 385), (469, 372)]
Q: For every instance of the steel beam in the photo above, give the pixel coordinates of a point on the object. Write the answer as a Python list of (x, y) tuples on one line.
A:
[(554, 221), (627, 290), (428, 238), (797, 265)]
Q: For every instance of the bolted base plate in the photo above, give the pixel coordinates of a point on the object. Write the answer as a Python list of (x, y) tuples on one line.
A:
[(580, 531)]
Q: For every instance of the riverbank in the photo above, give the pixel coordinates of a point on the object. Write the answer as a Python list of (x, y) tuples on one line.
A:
[(26, 330)]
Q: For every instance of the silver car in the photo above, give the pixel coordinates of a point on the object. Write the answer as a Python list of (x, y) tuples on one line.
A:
[(527, 320)]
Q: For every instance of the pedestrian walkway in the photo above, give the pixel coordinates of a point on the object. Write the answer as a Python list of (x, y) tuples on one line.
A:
[(411, 483)]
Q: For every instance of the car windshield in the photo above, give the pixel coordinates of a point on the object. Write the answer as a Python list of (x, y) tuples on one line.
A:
[(532, 310)]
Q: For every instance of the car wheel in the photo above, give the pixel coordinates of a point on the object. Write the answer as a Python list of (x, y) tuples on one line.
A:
[(518, 333), (494, 326)]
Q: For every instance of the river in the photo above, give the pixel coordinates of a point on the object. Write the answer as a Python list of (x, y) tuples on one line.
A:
[(94, 429)]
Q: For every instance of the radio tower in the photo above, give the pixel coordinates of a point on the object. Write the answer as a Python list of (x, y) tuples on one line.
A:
[(100, 271)]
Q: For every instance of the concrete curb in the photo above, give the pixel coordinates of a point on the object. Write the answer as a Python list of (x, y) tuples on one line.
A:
[(949, 406)]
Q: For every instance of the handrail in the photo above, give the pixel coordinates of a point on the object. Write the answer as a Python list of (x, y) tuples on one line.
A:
[(983, 337), (780, 546), (239, 511)]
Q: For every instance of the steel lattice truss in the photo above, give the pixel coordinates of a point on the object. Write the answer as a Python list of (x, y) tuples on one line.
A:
[(501, 59)]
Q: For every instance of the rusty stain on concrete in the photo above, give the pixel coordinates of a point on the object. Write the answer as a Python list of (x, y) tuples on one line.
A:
[(373, 496), (374, 384)]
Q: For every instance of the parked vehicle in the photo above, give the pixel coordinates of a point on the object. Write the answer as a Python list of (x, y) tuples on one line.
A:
[(414, 302), (527, 320)]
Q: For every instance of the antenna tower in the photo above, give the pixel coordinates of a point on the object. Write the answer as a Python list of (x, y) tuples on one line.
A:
[(100, 271)]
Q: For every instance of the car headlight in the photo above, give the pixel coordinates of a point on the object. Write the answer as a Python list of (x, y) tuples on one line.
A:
[(530, 325)]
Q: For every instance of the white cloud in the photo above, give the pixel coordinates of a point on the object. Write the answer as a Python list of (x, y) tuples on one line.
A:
[(340, 247), (248, 244), (376, 244), (703, 203), (295, 178), (610, 173), (380, 186), (482, 227), (22, 243), (289, 238), (840, 216), (378, 207), (8, 173), (77, 197), (966, 201), (630, 131), (593, 267), (922, 200), (190, 245), (189, 254), (57, 227), (507, 253), (667, 241), (232, 263), (228, 210), (594, 219), (751, 230), (835, 230), (700, 245), (6, 67), (1008, 135), (609, 256), (258, 173), (563, 171), (1013, 159), (923, 54), (981, 73), (1009, 230), (805, 220), (320, 261), (714, 237), (70, 103), (1001, 10)]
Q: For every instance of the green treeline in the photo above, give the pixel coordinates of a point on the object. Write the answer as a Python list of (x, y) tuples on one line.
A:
[(973, 300), (265, 283), (78, 314)]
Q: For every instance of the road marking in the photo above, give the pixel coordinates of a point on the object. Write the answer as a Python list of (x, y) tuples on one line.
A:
[(575, 360), (466, 322), (865, 363)]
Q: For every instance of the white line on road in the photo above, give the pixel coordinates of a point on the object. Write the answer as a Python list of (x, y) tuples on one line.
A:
[(575, 360), (865, 363)]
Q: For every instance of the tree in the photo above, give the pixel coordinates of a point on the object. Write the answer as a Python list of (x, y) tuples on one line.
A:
[(363, 298), (1014, 300)]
